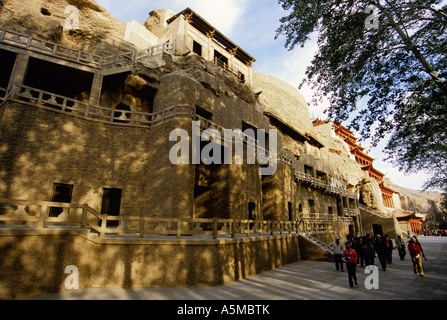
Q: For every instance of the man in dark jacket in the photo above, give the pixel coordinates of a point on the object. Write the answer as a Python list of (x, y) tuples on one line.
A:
[(400, 245), (388, 246), (380, 248), (368, 252)]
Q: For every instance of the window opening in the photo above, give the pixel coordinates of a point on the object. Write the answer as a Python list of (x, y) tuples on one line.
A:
[(111, 204), (251, 213), (289, 207), (61, 193), (197, 48), (220, 59), (312, 206)]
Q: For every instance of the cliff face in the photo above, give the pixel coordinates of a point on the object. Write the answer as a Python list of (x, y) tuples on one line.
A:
[(91, 28), (284, 101), (420, 201), (99, 32)]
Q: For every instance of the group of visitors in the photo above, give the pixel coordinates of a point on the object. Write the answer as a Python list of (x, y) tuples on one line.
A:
[(363, 250), (436, 233)]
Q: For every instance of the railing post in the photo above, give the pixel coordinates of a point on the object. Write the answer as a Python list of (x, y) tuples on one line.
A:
[(141, 227), (215, 228), (42, 216), (179, 228), (84, 216), (103, 226)]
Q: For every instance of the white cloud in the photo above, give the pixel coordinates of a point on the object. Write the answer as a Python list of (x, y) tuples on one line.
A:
[(413, 181), (223, 14), (290, 66)]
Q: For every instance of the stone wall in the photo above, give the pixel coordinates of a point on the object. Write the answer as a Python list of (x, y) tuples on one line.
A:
[(39, 148), (388, 225), (33, 261)]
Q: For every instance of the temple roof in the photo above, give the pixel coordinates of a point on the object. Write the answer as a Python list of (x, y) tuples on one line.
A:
[(294, 132), (207, 29)]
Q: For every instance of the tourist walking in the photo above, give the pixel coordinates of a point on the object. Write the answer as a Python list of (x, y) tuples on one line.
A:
[(356, 245), (351, 258), (380, 248), (338, 253), (361, 242), (400, 245), (420, 245), (416, 256), (388, 246), (369, 252)]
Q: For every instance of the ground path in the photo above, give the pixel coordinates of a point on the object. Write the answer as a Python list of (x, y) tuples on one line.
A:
[(305, 280)]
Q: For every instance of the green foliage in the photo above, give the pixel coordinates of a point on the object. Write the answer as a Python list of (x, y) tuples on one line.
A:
[(389, 80)]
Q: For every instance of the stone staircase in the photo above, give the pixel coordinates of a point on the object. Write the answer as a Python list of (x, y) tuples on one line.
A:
[(318, 243)]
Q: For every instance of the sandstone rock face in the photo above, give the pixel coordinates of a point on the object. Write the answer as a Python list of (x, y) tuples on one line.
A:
[(419, 201), (337, 157), (97, 31), (197, 69), (371, 194), (156, 23), (284, 101)]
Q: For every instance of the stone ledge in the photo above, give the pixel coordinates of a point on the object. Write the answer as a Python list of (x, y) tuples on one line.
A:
[(133, 240)]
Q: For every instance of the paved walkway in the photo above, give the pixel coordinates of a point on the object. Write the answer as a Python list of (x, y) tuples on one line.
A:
[(305, 280)]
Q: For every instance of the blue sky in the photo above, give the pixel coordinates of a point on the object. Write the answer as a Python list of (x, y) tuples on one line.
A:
[(252, 24)]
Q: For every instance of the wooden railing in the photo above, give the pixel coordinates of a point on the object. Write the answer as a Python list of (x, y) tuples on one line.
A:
[(374, 211), (321, 184), (60, 51), (118, 60), (229, 70), (55, 102), (164, 47), (2, 93), (48, 47), (38, 214), (261, 153)]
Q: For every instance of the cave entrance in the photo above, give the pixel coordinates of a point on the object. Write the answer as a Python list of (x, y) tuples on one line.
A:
[(117, 90), (59, 79), (7, 61)]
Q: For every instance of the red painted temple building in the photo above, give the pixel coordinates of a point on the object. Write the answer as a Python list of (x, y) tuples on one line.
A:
[(363, 159), (414, 222)]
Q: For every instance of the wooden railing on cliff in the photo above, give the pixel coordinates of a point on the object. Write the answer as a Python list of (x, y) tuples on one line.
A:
[(15, 213), (61, 104), (57, 50), (375, 212)]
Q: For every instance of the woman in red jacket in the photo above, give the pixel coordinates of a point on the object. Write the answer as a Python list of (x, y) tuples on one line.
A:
[(351, 263), (415, 252)]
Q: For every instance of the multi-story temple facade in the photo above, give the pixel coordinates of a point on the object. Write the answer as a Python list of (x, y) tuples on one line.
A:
[(94, 130), (86, 149)]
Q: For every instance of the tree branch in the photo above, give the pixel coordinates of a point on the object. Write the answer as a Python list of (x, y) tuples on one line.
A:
[(412, 48)]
